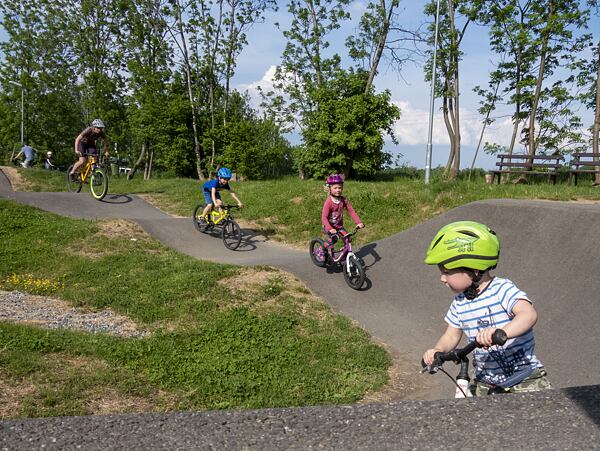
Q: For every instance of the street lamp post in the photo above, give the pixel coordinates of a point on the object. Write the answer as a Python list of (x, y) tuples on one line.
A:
[(22, 110), (428, 151)]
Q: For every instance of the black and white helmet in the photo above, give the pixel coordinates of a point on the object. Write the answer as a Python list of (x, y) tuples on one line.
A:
[(98, 123)]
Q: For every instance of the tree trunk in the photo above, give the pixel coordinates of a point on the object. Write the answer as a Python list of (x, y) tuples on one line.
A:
[(485, 123), (150, 165), (317, 36), (596, 130), (447, 106), (381, 42), (455, 94), (188, 74), (131, 173), (229, 62), (540, 80)]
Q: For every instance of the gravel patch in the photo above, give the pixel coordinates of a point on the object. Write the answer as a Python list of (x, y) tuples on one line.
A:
[(51, 313)]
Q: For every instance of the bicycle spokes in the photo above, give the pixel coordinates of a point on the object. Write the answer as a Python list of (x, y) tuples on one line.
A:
[(232, 235)]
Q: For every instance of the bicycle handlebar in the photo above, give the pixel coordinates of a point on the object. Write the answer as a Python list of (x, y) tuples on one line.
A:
[(349, 234), (459, 354)]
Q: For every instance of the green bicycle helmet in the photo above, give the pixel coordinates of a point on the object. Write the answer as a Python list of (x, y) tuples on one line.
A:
[(464, 244)]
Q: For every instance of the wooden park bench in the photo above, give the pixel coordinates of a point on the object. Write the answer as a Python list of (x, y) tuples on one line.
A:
[(521, 164), (583, 163)]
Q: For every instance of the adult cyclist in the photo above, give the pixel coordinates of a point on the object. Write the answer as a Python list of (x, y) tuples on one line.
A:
[(85, 143)]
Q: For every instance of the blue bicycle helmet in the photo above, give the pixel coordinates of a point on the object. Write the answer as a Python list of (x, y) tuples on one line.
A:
[(224, 173)]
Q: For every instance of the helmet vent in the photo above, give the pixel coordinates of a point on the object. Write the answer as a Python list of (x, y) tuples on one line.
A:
[(468, 232), (437, 242)]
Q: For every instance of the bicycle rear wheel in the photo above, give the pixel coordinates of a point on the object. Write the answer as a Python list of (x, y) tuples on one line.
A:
[(232, 235), (199, 224), (73, 186), (354, 273), (99, 183), (317, 252)]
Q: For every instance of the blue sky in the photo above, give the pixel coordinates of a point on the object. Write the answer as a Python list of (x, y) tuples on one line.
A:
[(410, 92)]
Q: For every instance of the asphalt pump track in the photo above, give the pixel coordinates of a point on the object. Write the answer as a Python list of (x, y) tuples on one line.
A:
[(547, 248)]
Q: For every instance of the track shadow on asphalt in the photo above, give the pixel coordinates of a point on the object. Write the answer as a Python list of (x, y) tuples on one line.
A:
[(368, 255), (587, 399), (117, 199), (248, 242), (250, 238)]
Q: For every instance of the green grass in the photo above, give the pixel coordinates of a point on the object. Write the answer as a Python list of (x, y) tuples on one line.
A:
[(210, 345), (289, 209)]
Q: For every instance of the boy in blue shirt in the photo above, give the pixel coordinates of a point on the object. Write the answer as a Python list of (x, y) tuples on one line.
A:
[(211, 192), (465, 252)]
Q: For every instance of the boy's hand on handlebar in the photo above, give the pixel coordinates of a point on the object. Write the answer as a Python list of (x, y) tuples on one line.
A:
[(240, 205), (360, 225), (428, 356), (484, 337), (333, 231)]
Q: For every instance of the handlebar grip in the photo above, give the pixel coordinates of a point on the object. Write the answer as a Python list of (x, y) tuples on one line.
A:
[(499, 337)]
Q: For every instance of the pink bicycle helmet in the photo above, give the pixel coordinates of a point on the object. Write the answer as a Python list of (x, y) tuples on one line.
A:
[(335, 179)]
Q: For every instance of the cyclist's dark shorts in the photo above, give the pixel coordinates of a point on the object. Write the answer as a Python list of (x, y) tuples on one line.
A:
[(208, 198), (85, 151)]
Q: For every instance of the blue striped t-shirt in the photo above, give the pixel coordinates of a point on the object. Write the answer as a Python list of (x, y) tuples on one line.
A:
[(499, 365)]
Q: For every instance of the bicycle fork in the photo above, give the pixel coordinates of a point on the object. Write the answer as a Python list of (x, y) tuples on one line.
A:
[(462, 381)]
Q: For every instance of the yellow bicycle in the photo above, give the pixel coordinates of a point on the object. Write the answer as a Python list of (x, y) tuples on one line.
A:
[(230, 230), (92, 171)]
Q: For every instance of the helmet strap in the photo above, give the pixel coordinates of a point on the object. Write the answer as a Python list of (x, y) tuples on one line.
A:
[(472, 292)]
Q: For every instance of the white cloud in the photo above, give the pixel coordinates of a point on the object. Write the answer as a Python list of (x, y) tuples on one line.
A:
[(413, 127), (265, 83)]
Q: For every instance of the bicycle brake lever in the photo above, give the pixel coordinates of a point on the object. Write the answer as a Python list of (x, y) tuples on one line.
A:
[(431, 369)]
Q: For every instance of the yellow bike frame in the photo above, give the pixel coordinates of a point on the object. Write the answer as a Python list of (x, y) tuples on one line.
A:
[(217, 216), (87, 168)]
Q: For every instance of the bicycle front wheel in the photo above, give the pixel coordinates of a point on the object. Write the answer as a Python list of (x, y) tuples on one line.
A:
[(99, 183), (73, 186), (354, 273), (232, 235)]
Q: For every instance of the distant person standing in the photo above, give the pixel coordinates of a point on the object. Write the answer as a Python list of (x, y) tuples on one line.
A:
[(85, 143), (29, 154), (48, 164)]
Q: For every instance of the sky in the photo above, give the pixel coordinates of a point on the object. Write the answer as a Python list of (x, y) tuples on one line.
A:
[(409, 91)]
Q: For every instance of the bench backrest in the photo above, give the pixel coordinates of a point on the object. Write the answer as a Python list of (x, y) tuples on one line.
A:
[(585, 159), (530, 161)]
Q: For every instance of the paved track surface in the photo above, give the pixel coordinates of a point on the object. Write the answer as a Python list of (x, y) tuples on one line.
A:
[(566, 419), (547, 250)]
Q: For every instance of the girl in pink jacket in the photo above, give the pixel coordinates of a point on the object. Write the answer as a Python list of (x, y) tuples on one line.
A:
[(332, 216)]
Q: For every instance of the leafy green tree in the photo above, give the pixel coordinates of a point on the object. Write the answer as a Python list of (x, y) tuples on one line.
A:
[(178, 12), (344, 132), (148, 57), (98, 52), (542, 44), (553, 23), (380, 37), (37, 55), (305, 65)]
